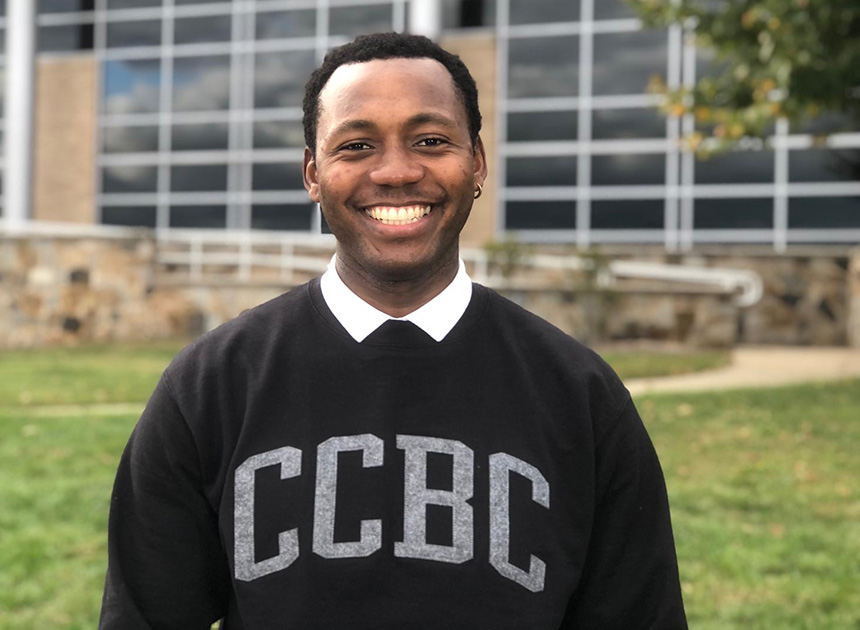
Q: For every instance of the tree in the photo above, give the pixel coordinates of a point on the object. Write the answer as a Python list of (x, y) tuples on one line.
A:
[(794, 59)]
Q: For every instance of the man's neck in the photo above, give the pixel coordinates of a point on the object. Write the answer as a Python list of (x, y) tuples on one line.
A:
[(397, 297)]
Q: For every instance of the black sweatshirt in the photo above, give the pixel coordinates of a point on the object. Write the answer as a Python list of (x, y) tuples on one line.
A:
[(285, 476)]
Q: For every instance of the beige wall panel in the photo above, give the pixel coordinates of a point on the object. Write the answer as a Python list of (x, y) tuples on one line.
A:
[(65, 137), (478, 52)]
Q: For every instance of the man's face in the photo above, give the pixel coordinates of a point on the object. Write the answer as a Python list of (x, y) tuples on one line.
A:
[(395, 170)]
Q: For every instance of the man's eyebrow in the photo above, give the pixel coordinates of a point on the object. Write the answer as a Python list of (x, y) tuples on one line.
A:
[(430, 117), (357, 124)]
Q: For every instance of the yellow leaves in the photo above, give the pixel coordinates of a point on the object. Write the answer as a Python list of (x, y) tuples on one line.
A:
[(703, 114), (677, 110), (693, 141), (749, 18)]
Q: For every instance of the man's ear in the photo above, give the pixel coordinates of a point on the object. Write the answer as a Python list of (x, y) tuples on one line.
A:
[(480, 161), (309, 175)]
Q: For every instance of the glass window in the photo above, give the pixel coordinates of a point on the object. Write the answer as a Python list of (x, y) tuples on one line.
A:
[(283, 24), (542, 171), (537, 11), (352, 21), (198, 177), (627, 123), (198, 216), (279, 78), (736, 214), (543, 66), (613, 10), (540, 215), (632, 169), (201, 83), (64, 6), (131, 86), (824, 165), (282, 216), (627, 214), (143, 216), (623, 62), (824, 212), (279, 134), (130, 139), (180, 2), (134, 33), (129, 179), (536, 126), (468, 14), (212, 28), (277, 176), (738, 167), (65, 38), (831, 122), (202, 137), (132, 4)]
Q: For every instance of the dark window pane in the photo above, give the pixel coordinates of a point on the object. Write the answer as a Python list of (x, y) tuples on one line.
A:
[(627, 123), (733, 214), (63, 6), (468, 14), (535, 126), (627, 214), (536, 11), (620, 170), (277, 176), (198, 177), (613, 10), (282, 216), (824, 165), (129, 179), (279, 78), (544, 171), (131, 4), (211, 136), (543, 66), (352, 21), (214, 28), (824, 212), (740, 167), (66, 38), (198, 216), (180, 2), (540, 215), (283, 24), (279, 134), (623, 62), (131, 86), (830, 122), (201, 83), (135, 33), (143, 216), (130, 139)]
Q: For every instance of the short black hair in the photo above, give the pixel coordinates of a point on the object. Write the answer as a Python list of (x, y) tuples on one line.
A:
[(389, 46)]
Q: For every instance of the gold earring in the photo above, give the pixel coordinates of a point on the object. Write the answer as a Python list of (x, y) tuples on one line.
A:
[(479, 191)]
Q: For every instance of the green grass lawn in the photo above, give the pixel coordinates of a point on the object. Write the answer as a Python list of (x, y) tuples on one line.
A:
[(763, 486)]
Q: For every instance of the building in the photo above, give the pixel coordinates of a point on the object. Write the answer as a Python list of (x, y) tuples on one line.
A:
[(187, 114)]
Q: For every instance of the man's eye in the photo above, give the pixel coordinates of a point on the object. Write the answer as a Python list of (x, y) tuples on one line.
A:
[(431, 142), (356, 146)]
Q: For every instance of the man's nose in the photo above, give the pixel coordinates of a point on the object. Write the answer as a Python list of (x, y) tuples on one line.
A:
[(396, 167)]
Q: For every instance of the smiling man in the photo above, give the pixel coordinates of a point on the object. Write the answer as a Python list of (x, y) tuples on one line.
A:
[(391, 446)]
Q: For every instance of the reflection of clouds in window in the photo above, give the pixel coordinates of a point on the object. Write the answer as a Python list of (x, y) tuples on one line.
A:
[(537, 11), (279, 134), (215, 28), (541, 171), (623, 62), (201, 83), (129, 179), (824, 212), (824, 165), (535, 126), (277, 25), (627, 123), (619, 170), (130, 139), (545, 66), (211, 137), (352, 21), (627, 214), (131, 86), (279, 78), (198, 177), (135, 33), (739, 167), (748, 214)]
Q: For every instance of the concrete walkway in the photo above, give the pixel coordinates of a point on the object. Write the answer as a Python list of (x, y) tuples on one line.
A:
[(761, 366)]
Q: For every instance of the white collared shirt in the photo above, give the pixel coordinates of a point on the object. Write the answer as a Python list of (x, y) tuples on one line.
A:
[(359, 318)]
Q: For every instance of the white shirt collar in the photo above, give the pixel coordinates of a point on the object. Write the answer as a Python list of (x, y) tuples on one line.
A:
[(359, 318)]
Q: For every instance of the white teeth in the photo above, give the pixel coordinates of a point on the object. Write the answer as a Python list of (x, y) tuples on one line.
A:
[(390, 215)]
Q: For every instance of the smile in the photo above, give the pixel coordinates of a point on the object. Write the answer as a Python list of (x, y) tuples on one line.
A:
[(400, 215)]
